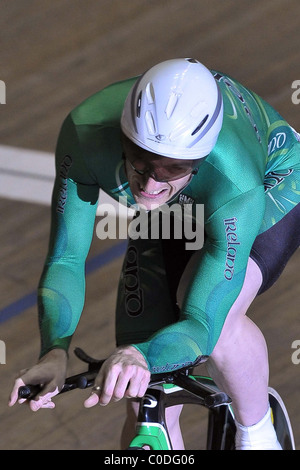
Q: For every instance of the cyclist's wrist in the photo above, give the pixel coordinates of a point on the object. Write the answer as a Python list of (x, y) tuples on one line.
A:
[(59, 343), (56, 353), (136, 346)]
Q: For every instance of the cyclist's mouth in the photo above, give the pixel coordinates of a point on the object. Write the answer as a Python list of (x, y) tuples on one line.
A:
[(153, 194)]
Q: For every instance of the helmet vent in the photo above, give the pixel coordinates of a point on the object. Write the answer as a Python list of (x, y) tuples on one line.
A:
[(150, 123), (150, 93), (192, 61), (139, 105), (200, 125), (171, 104)]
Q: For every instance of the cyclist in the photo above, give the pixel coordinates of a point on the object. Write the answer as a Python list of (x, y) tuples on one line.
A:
[(178, 134)]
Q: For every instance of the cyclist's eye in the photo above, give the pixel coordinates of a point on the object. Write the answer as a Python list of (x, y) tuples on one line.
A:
[(172, 172), (139, 165), (158, 172)]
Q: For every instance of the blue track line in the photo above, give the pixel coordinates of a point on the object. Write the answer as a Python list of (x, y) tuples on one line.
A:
[(97, 262)]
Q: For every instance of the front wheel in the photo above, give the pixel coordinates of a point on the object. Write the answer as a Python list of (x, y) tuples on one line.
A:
[(281, 421)]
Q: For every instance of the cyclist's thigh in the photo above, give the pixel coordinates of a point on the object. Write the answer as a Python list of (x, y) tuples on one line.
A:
[(280, 234), (146, 299)]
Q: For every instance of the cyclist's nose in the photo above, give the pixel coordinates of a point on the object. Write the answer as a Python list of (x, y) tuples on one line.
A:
[(150, 184)]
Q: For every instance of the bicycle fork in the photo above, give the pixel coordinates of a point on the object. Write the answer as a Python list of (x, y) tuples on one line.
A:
[(151, 429)]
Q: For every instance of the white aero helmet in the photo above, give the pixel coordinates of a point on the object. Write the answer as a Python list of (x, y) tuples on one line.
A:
[(175, 109)]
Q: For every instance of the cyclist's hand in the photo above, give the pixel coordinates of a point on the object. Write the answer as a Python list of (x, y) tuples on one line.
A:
[(123, 374), (50, 372)]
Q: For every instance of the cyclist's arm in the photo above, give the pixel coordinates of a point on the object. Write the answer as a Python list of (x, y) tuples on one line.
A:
[(209, 295), (62, 285)]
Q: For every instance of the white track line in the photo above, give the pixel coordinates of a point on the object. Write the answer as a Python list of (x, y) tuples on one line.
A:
[(28, 176)]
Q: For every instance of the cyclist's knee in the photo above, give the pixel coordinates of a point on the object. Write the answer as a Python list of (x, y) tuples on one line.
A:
[(236, 321)]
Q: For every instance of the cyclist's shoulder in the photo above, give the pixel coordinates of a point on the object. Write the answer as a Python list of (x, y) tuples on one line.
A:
[(244, 126), (233, 87), (245, 110), (90, 133), (104, 107)]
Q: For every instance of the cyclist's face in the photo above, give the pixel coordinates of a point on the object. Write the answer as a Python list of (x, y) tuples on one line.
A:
[(153, 179)]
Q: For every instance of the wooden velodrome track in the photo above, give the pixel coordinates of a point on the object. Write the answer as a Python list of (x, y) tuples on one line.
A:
[(53, 55)]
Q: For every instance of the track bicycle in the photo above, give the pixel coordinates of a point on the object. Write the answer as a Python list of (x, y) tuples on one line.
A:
[(173, 388)]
